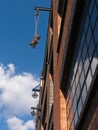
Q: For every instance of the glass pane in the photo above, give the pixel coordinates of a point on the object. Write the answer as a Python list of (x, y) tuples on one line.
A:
[(91, 6), (82, 78), (86, 24), (94, 64), (89, 79), (89, 35), (86, 65), (78, 57), (79, 69), (79, 106), (84, 93), (76, 79), (91, 48), (84, 52), (74, 104), (94, 16), (76, 117), (78, 92), (73, 89), (96, 32), (75, 68), (82, 41), (97, 3)]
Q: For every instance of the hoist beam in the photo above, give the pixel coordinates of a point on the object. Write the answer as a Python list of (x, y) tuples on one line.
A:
[(43, 9)]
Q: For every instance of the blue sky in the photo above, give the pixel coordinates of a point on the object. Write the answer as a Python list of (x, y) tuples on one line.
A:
[(20, 65)]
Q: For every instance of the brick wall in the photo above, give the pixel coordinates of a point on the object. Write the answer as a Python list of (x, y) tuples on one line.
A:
[(60, 122)]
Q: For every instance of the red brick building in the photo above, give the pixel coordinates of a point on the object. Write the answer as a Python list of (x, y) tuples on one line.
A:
[(69, 91)]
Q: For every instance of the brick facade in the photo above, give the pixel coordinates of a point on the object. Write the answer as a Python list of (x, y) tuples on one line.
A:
[(66, 22)]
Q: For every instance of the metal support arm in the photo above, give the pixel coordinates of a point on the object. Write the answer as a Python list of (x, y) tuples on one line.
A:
[(36, 108), (43, 9)]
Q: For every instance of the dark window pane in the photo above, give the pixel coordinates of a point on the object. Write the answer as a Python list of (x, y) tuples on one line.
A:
[(89, 35), (91, 6), (91, 48), (84, 52), (86, 23), (96, 32), (97, 3), (94, 16), (78, 57), (82, 41)]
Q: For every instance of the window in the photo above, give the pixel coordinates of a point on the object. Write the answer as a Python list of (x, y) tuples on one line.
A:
[(86, 62)]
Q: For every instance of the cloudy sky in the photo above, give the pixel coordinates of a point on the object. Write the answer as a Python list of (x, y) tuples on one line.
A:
[(15, 98), (20, 65)]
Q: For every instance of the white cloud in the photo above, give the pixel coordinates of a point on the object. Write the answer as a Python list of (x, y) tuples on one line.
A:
[(15, 92), (11, 69), (15, 123)]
